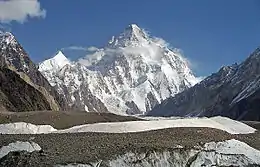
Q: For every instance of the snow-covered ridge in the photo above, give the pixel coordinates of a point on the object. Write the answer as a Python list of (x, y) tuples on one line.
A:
[(130, 75), (222, 123)]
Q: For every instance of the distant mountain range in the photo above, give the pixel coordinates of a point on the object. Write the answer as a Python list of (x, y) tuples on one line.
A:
[(134, 73), (234, 91)]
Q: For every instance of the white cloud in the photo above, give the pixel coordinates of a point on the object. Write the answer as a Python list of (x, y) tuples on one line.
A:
[(160, 41), (90, 49), (20, 10), (75, 48)]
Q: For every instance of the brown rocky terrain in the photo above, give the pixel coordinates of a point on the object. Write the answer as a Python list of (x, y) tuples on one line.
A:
[(62, 119)]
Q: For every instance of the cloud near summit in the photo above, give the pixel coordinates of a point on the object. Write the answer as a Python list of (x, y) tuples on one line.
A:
[(20, 10)]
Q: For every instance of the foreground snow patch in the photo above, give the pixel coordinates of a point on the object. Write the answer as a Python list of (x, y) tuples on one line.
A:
[(25, 128), (222, 123), (19, 146)]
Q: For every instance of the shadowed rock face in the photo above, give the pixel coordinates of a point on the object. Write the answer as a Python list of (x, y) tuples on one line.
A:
[(17, 95), (233, 92), (21, 82)]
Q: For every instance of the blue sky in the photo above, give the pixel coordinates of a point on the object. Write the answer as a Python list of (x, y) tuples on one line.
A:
[(210, 33)]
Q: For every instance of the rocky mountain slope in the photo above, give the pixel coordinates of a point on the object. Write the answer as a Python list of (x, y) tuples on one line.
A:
[(130, 75), (234, 91), (22, 86)]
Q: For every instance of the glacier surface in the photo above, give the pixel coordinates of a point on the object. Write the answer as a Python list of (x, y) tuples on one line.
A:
[(222, 123)]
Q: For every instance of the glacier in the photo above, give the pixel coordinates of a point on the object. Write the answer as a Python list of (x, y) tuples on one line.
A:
[(227, 153), (222, 123)]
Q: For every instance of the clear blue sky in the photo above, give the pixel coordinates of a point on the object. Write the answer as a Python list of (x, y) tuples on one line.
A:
[(210, 33)]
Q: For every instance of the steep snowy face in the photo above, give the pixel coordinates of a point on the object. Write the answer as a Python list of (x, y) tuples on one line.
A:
[(233, 92), (132, 74)]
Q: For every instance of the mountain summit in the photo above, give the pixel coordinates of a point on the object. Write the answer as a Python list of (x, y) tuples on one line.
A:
[(131, 36), (132, 74), (57, 62)]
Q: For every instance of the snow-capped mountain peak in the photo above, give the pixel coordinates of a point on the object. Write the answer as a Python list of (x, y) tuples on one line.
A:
[(130, 75), (55, 63), (60, 58), (131, 36), (134, 30), (134, 27)]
